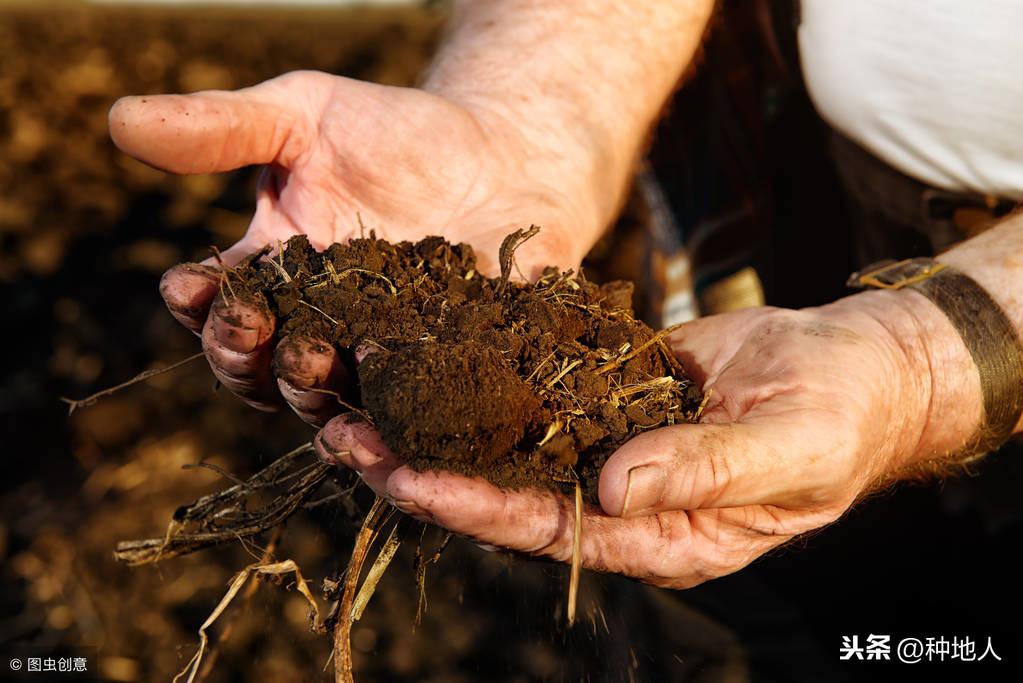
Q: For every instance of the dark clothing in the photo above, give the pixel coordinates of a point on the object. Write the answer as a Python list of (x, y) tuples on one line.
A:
[(895, 216)]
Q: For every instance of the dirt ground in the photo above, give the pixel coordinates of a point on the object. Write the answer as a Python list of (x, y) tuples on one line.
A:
[(85, 235)]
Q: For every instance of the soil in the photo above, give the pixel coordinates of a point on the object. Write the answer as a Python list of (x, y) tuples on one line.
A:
[(524, 384)]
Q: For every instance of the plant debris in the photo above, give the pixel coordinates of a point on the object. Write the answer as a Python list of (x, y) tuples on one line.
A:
[(224, 516), (264, 569)]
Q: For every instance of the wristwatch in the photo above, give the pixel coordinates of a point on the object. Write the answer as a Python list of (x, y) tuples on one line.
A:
[(987, 332)]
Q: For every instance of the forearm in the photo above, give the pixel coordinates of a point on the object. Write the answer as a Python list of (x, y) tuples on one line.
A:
[(583, 80), (939, 382)]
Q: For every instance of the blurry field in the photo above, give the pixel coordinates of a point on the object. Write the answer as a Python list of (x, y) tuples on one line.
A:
[(84, 235)]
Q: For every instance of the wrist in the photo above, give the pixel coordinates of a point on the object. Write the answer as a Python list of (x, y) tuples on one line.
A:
[(543, 141), (934, 393), (576, 85)]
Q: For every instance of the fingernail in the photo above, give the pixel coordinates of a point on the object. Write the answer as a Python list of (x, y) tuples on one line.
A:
[(188, 289), (333, 454), (360, 453), (644, 489), (412, 508), (305, 362), (486, 547), (234, 337), (365, 457)]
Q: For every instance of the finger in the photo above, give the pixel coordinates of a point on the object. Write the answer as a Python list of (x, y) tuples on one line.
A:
[(687, 467), (356, 445), (677, 549), (692, 344), (213, 130), (237, 339), (529, 521), (311, 377), (706, 343), (188, 290)]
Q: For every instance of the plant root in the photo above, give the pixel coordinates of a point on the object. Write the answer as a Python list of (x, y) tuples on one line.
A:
[(222, 517), (420, 564), (225, 633), (76, 403), (259, 569), (376, 572), (379, 514)]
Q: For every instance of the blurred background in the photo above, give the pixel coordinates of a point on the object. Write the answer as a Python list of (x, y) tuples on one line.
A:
[(86, 232)]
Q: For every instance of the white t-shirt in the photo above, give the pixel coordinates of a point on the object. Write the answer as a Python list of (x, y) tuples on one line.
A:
[(933, 87)]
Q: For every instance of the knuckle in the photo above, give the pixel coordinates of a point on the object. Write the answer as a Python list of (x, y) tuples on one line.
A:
[(554, 541), (705, 475), (671, 541), (719, 476)]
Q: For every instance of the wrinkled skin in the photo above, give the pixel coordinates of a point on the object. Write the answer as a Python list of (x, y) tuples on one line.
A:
[(406, 162), (807, 410), (788, 440)]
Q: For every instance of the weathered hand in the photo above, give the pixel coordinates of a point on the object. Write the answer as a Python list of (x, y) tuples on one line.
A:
[(808, 410), (408, 162)]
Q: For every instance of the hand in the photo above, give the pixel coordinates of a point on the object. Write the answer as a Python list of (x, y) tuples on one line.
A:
[(408, 162), (808, 410)]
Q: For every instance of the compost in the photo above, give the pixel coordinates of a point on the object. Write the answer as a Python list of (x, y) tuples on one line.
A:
[(523, 384)]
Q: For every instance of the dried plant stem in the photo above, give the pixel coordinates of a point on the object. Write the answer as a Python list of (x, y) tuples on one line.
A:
[(250, 590), (536, 370), (227, 270), (376, 572), (577, 547), (343, 629), (506, 254), (564, 371), (75, 404), (703, 404), (372, 273), (239, 580), (226, 515), (318, 310), (344, 404), (656, 339), (279, 267)]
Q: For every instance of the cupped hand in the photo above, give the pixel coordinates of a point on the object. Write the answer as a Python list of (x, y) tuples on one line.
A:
[(337, 151), (807, 411)]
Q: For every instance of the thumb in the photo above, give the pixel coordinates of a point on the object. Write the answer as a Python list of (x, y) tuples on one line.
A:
[(214, 130), (692, 466)]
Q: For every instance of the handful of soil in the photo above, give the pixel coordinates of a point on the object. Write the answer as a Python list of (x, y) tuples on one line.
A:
[(523, 384)]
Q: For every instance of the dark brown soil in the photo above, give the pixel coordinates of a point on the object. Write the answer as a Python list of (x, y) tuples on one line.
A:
[(522, 384)]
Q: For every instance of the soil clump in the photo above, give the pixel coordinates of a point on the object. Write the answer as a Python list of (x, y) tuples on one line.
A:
[(523, 384)]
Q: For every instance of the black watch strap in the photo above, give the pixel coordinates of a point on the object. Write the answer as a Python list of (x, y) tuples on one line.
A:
[(987, 332)]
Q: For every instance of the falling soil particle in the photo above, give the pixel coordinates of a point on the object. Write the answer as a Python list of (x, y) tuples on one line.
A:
[(525, 385)]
